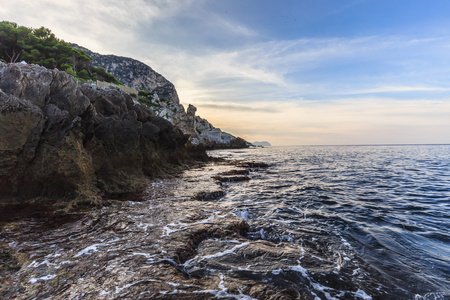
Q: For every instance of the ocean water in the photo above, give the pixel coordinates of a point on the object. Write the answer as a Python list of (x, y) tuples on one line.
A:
[(382, 213), (325, 222)]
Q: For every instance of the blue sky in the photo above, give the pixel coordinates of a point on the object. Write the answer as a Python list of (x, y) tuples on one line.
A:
[(289, 72)]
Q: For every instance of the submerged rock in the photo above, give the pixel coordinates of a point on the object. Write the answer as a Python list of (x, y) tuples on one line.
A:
[(234, 178), (60, 139), (236, 172), (254, 165), (209, 195)]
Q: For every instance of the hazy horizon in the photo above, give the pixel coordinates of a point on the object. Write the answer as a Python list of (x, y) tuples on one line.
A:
[(310, 72)]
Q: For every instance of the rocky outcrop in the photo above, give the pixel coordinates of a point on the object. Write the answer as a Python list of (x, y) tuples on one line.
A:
[(201, 132), (134, 73), (62, 139), (164, 100), (214, 138)]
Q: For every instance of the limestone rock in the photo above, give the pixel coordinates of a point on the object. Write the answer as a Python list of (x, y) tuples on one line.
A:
[(134, 73), (60, 139)]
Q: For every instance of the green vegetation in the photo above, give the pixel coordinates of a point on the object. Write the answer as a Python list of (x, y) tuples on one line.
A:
[(144, 93), (146, 98), (147, 101), (98, 73), (40, 46)]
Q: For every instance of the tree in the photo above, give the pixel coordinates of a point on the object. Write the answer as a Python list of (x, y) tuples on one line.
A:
[(40, 46)]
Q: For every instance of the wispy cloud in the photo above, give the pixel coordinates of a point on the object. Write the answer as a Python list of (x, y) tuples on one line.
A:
[(281, 70), (271, 109), (398, 89)]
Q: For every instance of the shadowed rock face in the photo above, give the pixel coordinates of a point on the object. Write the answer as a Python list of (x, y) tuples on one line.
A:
[(58, 138)]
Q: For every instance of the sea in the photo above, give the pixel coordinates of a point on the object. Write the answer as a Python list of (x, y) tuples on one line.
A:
[(381, 211), (321, 222)]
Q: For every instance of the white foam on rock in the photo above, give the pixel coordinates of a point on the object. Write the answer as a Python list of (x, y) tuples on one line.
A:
[(232, 250), (222, 292)]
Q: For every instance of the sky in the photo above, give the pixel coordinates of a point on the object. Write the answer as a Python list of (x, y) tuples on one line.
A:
[(291, 72)]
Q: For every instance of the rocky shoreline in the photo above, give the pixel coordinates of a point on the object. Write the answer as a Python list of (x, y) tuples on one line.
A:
[(63, 140), (77, 216), (82, 216), (169, 244), (180, 239)]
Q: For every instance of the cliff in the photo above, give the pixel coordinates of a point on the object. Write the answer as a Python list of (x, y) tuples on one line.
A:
[(62, 139), (134, 73), (163, 100)]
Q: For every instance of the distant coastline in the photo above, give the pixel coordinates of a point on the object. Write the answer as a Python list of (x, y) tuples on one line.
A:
[(262, 144)]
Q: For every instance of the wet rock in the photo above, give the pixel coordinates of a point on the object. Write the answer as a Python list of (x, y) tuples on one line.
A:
[(9, 261), (228, 179), (209, 195), (254, 165), (235, 172)]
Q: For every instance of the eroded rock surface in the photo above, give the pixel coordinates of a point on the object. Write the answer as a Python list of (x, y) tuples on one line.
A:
[(60, 139)]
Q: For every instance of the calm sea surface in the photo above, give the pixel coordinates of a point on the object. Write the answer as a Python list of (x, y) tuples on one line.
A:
[(383, 207)]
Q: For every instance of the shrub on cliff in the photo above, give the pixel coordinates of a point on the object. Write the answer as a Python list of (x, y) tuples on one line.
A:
[(144, 93), (98, 73)]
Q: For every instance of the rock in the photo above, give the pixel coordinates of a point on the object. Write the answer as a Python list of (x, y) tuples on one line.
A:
[(134, 73), (191, 110), (236, 172), (235, 178), (214, 138), (253, 165), (59, 139), (9, 261), (209, 195)]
